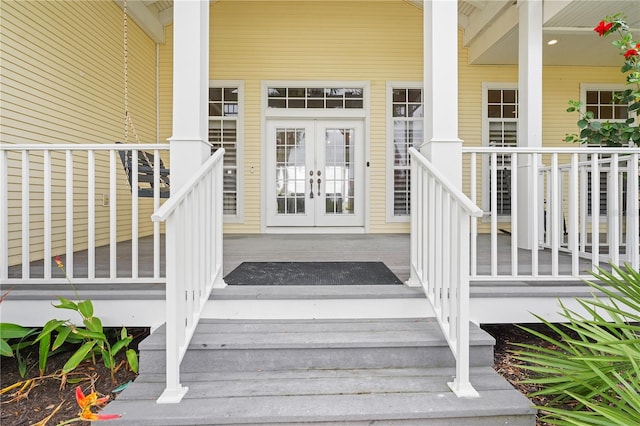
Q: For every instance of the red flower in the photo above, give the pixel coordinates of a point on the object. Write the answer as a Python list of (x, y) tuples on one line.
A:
[(59, 262), (603, 27), (631, 52), (86, 402)]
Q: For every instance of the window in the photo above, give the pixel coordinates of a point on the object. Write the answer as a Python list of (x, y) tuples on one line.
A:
[(315, 97), (600, 100), (225, 103), (405, 112), (500, 129)]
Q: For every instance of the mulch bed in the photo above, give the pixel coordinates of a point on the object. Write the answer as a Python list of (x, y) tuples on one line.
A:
[(46, 395), (51, 396)]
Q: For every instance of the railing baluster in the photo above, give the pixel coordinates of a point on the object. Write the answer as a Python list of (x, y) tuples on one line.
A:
[(447, 259), (556, 214), (633, 207), (595, 212), (573, 219), (613, 211), (113, 216), (91, 215), (494, 213), (156, 206), (4, 215), (474, 220), (583, 209), (535, 213), (134, 212), (431, 208), (514, 214), (69, 212), (26, 216), (47, 214)]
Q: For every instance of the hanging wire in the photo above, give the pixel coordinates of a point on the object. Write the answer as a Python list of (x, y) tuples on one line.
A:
[(128, 122)]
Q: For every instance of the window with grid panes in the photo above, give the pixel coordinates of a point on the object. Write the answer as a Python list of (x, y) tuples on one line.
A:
[(223, 133), (408, 124), (502, 131), (604, 107), (315, 97)]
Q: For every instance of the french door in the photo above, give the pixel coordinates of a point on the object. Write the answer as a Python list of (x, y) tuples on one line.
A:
[(315, 173)]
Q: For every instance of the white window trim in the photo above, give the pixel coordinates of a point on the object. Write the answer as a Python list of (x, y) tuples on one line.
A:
[(267, 113), (486, 86), (391, 85), (584, 87), (239, 216)]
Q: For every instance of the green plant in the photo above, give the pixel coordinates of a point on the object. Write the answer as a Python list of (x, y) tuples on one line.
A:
[(607, 132), (14, 338), (593, 378), (93, 339)]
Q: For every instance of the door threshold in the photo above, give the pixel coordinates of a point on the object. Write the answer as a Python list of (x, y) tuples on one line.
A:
[(314, 230)]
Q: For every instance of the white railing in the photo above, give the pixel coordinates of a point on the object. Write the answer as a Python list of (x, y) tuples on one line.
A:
[(193, 219), (74, 200), (440, 232), (583, 211)]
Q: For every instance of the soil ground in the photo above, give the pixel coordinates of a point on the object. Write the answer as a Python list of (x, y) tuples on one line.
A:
[(50, 401)]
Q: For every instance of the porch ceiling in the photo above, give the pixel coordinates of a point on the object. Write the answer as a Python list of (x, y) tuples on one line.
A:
[(493, 39)]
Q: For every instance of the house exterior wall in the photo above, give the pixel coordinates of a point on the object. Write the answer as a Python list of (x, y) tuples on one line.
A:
[(62, 82)]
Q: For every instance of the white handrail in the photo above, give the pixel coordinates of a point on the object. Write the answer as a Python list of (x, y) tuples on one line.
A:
[(69, 178), (566, 197), (440, 224), (193, 217)]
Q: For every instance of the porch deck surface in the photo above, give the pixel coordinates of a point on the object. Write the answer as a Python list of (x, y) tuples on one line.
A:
[(391, 249)]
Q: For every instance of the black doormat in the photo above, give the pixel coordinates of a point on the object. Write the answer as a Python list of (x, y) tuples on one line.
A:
[(311, 273)]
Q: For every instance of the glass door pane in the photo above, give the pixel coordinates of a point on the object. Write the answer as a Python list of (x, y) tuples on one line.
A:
[(339, 171), (290, 171)]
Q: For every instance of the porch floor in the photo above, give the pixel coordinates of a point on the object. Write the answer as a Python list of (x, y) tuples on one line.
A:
[(391, 249), (492, 301)]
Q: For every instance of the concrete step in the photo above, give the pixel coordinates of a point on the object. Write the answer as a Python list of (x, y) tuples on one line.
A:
[(385, 396), (240, 345)]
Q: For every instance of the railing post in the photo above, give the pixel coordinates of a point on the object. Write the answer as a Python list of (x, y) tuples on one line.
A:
[(461, 385), (174, 391)]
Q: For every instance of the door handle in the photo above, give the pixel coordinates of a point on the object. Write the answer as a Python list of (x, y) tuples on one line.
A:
[(319, 181), (311, 182)]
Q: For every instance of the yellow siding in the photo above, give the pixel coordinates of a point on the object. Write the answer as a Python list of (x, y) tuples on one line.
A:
[(62, 82)]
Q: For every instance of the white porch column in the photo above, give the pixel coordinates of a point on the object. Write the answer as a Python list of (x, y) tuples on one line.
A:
[(440, 33), (189, 146), (529, 110)]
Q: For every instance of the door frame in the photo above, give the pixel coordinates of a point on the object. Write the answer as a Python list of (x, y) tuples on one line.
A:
[(267, 113)]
